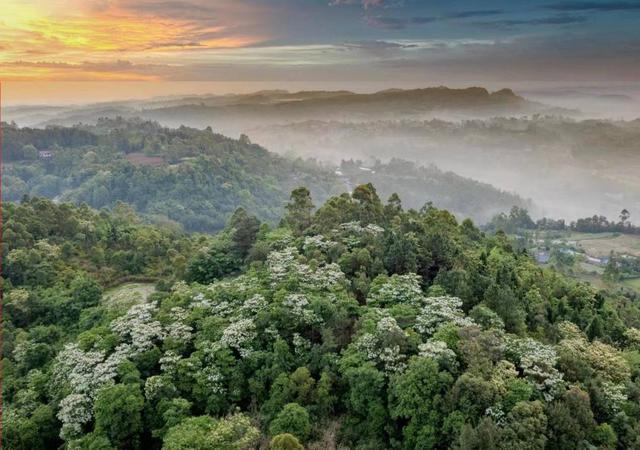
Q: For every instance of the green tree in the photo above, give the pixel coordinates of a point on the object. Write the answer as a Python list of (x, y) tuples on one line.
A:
[(91, 441), (487, 435), (86, 292), (285, 441), (370, 209), (29, 152), (299, 210), (417, 397), (293, 419), (193, 433), (244, 229), (213, 263), (612, 270), (118, 414), (527, 427), (234, 432), (570, 420)]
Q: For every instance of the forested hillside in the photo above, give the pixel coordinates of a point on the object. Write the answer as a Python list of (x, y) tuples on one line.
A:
[(197, 178), (187, 176), (358, 324), (569, 168)]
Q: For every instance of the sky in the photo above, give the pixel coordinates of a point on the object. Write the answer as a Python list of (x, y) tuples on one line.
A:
[(395, 41)]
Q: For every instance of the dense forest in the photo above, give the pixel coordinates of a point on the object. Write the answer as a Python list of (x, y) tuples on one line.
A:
[(192, 177), (358, 324), (519, 219), (197, 178)]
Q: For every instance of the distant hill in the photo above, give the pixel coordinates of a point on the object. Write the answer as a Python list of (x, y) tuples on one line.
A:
[(197, 178), (235, 113), (569, 168), (278, 106)]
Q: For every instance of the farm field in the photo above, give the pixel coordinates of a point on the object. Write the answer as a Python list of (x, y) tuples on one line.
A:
[(601, 244), (596, 246)]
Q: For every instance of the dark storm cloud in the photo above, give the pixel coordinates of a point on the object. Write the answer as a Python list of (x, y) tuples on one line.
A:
[(377, 45), (400, 23), (397, 23), (556, 20), (381, 49), (366, 4), (474, 13), (594, 6)]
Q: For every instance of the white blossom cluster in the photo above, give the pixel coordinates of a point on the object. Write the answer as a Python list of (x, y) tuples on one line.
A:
[(156, 386), (272, 332), (222, 297), (200, 301), (633, 338), (398, 289), (497, 414), (298, 306), (323, 278), (437, 350), (254, 305), (388, 325), (182, 289), (381, 347), (139, 327), (20, 350), (318, 241), (238, 285), (169, 362), (355, 227), (537, 362), (438, 311), (212, 379), (46, 248), (352, 227), (222, 309), (351, 233), (86, 372), (177, 329), (75, 411), (615, 395), (238, 335), (301, 346), (283, 264), (373, 229)]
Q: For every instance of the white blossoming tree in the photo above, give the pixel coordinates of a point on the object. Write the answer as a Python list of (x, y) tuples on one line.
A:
[(438, 311)]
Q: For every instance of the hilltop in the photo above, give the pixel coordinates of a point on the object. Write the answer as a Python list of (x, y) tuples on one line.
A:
[(235, 112), (356, 325)]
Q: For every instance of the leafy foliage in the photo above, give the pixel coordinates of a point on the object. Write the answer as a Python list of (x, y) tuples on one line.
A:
[(308, 333)]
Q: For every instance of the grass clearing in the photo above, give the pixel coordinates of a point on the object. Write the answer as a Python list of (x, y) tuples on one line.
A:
[(632, 283), (127, 295)]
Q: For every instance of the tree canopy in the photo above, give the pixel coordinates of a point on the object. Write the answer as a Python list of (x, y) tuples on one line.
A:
[(359, 324)]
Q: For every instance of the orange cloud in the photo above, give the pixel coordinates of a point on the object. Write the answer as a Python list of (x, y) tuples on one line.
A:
[(107, 30)]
